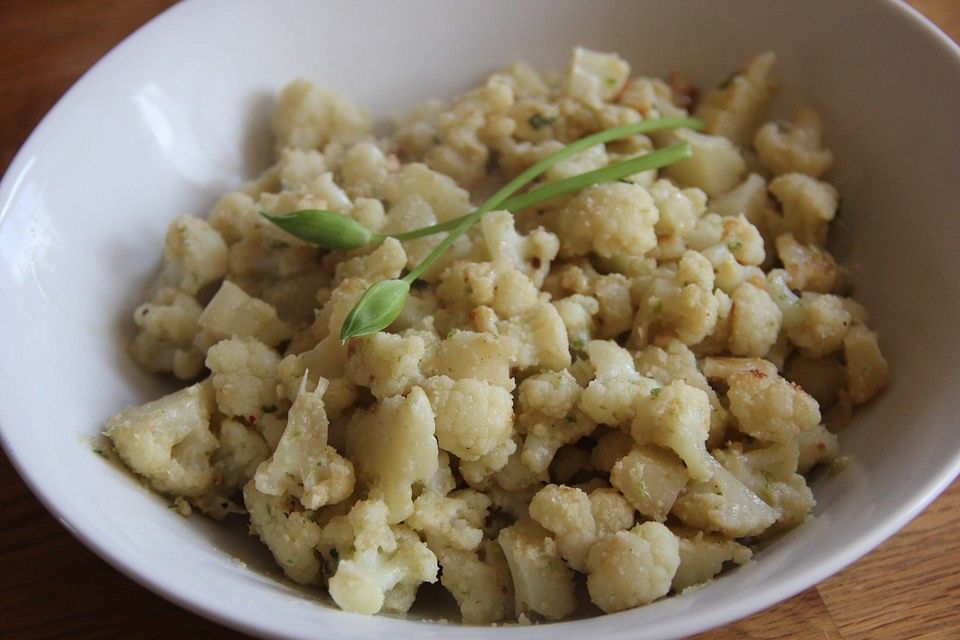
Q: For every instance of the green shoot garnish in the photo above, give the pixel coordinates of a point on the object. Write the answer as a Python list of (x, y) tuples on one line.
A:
[(325, 228), (654, 160), (382, 303), (377, 308), (334, 230)]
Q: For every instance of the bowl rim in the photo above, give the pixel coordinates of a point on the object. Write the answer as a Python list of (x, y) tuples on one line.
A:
[(249, 622)]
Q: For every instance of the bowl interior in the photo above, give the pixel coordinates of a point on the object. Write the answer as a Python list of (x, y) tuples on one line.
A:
[(155, 130)]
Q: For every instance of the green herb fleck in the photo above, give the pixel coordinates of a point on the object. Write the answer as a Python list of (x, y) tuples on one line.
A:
[(577, 345), (641, 488), (611, 81), (658, 306), (767, 487), (100, 452), (539, 121), (655, 392), (734, 246), (268, 408)]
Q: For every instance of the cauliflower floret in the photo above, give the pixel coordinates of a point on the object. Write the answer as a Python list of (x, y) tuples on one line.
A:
[(609, 398), (472, 416), (702, 557), (447, 200), (749, 198), (726, 368), (820, 325), (386, 363), (816, 446), (234, 313), (244, 375), (380, 565), (678, 362), (168, 326), (549, 417), (681, 305), (629, 568), (304, 465), (392, 446), (679, 208), (530, 254), (450, 522), (365, 169), (743, 240), (785, 147), (195, 252), (541, 336), (480, 582), (867, 371), (769, 407), (552, 393), (810, 267), (241, 451), (517, 474), (770, 472), (733, 108), (609, 219), (298, 168), (168, 441), (476, 473), (676, 417), (567, 512), (754, 322), (725, 505), (594, 77), (577, 312), (611, 511), (308, 117), (542, 583), (612, 291), (808, 206), (383, 263), (715, 167), (466, 354), (291, 536), (651, 479)]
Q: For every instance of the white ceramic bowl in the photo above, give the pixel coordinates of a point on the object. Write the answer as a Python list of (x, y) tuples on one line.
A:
[(177, 114)]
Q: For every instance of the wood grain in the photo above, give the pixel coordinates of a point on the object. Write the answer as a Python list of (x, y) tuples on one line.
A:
[(53, 587)]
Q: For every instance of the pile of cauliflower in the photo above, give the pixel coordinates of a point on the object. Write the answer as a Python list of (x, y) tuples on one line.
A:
[(611, 395)]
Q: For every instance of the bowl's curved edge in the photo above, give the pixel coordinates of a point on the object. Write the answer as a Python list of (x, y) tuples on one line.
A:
[(248, 622)]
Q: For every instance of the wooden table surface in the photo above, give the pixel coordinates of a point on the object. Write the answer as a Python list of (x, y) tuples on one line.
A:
[(51, 586)]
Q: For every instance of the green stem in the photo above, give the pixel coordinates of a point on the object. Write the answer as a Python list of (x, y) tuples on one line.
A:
[(533, 172), (654, 160)]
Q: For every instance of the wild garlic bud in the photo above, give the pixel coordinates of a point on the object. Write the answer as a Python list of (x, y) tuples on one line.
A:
[(377, 308), (324, 228)]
